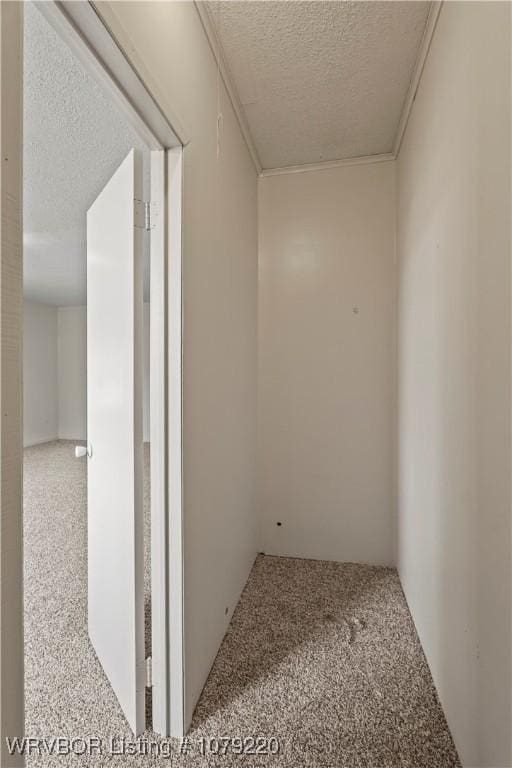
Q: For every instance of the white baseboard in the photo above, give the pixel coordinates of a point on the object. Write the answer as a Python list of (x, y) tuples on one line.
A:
[(41, 441)]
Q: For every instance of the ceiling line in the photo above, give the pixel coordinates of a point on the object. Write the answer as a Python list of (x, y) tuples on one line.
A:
[(220, 59), (218, 53), (421, 59), (326, 164)]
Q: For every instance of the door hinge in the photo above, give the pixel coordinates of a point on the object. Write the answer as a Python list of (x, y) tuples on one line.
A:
[(145, 214), (149, 672)]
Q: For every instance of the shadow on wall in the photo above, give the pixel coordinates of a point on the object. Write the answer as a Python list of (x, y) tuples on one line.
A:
[(437, 448), (454, 373)]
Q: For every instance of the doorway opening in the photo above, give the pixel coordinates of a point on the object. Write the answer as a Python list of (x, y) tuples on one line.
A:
[(77, 141)]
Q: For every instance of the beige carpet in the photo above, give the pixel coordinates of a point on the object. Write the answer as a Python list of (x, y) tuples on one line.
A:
[(322, 657)]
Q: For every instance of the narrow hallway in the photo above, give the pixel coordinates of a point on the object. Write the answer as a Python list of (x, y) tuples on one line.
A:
[(288, 265)]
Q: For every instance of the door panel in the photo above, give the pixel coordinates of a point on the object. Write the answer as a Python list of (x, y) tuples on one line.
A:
[(114, 432)]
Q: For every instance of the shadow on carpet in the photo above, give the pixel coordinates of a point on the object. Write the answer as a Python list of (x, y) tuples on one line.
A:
[(321, 657)]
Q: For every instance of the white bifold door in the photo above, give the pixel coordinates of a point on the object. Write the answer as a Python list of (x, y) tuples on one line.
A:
[(114, 433)]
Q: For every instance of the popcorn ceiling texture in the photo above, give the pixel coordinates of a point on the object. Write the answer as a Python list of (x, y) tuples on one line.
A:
[(323, 656), (320, 80), (74, 139)]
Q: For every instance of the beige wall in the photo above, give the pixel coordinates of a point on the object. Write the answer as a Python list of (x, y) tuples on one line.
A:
[(327, 295), (167, 42), (40, 390), (72, 372), (454, 373)]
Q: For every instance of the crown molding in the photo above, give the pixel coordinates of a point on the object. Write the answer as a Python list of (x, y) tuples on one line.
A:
[(325, 166), (216, 48), (217, 51), (426, 40)]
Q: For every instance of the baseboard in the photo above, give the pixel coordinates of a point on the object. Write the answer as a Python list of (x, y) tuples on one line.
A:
[(41, 441), (75, 440)]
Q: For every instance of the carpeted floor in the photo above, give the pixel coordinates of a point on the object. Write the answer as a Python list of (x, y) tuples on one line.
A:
[(322, 657)]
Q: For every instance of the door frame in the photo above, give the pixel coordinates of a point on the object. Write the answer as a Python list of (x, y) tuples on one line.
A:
[(11, 382), (83, 29)]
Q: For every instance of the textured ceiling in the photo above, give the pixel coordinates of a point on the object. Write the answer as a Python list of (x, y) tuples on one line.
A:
[(74, 139), (320, 80), (317, 81)]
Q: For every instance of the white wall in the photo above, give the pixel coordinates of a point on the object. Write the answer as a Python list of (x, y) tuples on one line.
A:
[(454, 539), (167, 42), (72, 379), (327, 357), (72, 360), (40, 407)]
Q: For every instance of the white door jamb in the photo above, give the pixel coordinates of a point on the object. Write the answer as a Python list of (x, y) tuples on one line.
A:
[(83, 29)]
